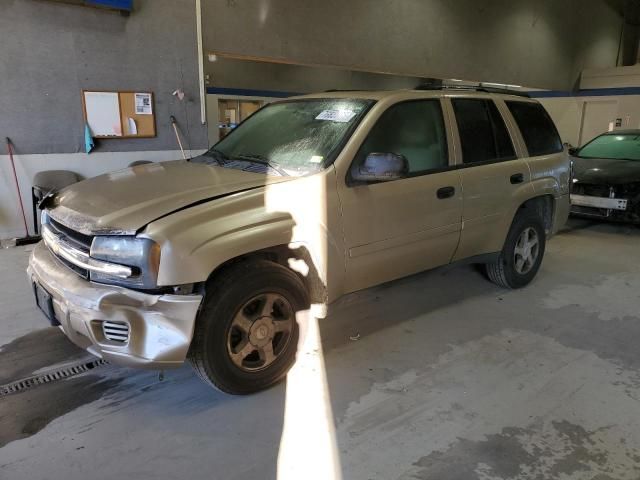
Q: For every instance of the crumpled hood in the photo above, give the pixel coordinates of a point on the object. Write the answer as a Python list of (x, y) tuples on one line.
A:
[(603, 171), (124, 201)]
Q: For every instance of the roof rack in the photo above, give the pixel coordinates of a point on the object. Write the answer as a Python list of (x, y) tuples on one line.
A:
[(473, 88), (341, 90)]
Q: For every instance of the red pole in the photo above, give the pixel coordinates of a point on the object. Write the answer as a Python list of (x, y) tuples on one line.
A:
[(15, 176)]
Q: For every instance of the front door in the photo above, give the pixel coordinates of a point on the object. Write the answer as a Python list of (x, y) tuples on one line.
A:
[(393, 229)]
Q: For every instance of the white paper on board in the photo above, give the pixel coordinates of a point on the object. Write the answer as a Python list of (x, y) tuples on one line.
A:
[(133, 128), (143, 104), (103, 113)]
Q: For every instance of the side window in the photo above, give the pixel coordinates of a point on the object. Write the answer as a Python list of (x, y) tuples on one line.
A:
[(539, 132), (414, 129), (483, 133)]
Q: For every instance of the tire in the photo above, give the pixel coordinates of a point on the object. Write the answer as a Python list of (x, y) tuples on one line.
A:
[(507, 270), (233, 318)]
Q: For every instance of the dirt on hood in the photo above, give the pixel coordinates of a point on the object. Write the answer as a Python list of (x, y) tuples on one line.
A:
[(124, 201)]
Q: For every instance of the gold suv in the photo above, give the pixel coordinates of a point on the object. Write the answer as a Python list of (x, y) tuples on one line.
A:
[(309, 199)]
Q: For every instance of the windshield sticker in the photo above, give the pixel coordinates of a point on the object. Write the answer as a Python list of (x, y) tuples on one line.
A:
[(342, 116), (316, 159)]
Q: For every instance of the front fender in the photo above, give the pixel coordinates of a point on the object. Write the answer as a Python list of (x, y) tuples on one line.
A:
[(195, 241)]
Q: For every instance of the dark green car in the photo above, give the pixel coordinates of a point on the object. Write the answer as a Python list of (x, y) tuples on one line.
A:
[(606, 177)]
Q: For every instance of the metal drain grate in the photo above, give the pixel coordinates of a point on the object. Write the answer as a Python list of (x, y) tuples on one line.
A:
[(49, 377)]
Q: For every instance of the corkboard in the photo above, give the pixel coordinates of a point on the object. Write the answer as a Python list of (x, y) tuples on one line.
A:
[(145, 123)]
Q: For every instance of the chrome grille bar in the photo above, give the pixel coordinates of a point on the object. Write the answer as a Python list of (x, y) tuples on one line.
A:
[(62, 248)]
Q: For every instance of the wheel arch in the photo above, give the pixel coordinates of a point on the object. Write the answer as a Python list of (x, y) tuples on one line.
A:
[(294, 256), (544, 206)]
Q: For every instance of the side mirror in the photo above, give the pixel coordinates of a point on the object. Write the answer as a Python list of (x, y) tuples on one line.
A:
[(381, 167)]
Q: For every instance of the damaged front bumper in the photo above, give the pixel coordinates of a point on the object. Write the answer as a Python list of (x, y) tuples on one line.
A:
[(122, 326), (617, 203)]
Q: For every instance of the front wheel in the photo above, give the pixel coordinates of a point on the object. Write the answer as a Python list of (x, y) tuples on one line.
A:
[(246, 333), (521, 255)]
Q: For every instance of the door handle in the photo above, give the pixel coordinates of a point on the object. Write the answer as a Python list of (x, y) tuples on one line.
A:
[(517, 178), (446, 192)]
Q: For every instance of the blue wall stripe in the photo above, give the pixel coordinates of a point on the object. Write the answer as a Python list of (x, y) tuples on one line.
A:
[(550, 94), (244, 92), (589, 92), (118, 4)]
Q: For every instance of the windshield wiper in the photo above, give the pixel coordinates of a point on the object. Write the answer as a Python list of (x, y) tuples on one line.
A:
[(218, 155), (262, 160)]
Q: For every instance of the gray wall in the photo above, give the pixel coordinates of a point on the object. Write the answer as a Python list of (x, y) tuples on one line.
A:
[(49, 52), (297, 78), (536, 43)]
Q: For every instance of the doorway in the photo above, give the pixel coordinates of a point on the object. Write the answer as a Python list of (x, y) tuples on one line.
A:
[(225, 112), (233, 111)]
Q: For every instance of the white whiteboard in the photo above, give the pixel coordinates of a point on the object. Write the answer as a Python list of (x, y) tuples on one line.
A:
[(103, 113)]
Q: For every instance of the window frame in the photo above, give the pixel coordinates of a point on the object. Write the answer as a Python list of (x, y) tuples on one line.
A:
[(446, 121), (527, 153), (511, 131)]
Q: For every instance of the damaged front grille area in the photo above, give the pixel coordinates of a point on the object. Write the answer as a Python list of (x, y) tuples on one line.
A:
[(79, 240), (629, 192), (74, 251), (591, 190)]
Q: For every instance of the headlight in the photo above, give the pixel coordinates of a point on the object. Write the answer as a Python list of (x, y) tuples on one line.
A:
[(142, 254)]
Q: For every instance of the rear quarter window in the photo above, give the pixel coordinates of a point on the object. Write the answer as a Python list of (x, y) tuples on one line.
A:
[(538, 130)]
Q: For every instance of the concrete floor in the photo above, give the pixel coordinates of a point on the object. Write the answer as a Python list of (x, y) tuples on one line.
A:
[(450, 378)]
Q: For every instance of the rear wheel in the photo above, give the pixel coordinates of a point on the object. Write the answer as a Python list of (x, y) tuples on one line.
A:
[(246, 333), (522, 253)]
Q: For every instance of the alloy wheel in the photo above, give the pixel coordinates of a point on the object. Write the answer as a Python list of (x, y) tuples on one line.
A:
[(260, 332), (526, 251)]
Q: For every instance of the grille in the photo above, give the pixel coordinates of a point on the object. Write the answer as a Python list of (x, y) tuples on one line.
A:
[(116, 331), (83, 272), (79, 240)]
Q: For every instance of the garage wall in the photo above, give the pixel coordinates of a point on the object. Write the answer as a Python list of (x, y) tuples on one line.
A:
[(566, 113), (570, 115), (49, 52), (619, 77), (243, 74), (605, 95), (543, 44)]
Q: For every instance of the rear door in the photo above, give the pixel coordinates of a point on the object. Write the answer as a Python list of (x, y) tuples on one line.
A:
[(393, 229), (493, 176), (548, 163)]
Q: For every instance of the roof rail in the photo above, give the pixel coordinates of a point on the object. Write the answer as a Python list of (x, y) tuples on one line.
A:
[(341, 90), (474, 88)]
